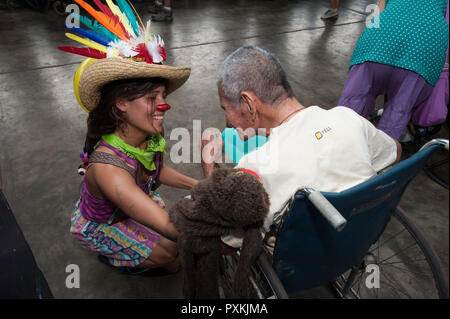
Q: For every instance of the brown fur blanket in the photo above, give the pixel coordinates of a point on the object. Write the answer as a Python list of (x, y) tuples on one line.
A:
[(225, 202)]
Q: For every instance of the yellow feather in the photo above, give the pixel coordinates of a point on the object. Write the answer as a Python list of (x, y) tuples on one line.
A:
[(88, 42), (123, 18), (147, 31)]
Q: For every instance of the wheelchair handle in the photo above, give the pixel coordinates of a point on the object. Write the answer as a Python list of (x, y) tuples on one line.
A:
[(440, 141), (327, 210)]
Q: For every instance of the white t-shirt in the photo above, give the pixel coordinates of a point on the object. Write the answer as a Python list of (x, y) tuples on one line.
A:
[(327, 150)]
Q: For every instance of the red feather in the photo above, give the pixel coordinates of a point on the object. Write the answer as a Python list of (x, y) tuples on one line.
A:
[(143, 52), (88, 52), (104, 8), (107, 11), (162, 51)]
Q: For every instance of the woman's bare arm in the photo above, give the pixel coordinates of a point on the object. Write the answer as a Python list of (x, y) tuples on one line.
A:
[(120, 188), (173, 178), (381, 5)]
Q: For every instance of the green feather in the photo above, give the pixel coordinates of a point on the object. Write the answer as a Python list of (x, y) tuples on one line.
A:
[(126, 9), (97, 27)]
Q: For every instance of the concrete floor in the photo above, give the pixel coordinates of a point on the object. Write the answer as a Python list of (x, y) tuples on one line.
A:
[(42, 127)]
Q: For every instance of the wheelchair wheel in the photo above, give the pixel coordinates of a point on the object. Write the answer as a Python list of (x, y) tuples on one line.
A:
[(38, 5), (407, 267), (59, 7), (437, 168), (263, 281)]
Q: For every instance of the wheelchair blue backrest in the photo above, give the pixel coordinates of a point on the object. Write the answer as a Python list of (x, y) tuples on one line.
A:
[(309, 252)]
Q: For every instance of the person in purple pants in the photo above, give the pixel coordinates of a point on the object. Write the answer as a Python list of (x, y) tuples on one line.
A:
[(401, 54)]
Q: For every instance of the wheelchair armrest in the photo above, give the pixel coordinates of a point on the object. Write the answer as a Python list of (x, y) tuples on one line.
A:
[(327, 210)]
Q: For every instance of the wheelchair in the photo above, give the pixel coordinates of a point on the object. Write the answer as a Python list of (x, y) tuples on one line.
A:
[(357, 242), (435, 168)]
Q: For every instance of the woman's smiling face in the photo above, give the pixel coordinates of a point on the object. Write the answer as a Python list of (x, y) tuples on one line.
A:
[(147, 112)]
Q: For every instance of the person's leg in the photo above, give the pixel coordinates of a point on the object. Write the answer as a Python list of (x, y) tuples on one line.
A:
[(167, 9), (406, 89), (333, 12), (155, 7), (164, 255), (165, 14), (334, 4), (362, 87)]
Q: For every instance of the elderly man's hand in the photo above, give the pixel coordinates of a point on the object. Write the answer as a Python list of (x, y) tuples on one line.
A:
[(211, 148)]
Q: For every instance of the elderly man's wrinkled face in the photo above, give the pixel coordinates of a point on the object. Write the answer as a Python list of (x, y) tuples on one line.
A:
[(238, 117)]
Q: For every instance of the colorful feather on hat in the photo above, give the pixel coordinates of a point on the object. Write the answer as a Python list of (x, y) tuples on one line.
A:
[(91, 35), (155, 46), (89, 43), (115, 32), (126, 9), (105, 20), (88, 52), (103, 8), (122, 18), (95, 26)]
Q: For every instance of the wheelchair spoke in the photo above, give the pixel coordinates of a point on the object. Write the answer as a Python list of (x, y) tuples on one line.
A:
[(401, 262), (398, 253), (396, 289), (407, 271), (360, 281), (404, 267), (395, 236)]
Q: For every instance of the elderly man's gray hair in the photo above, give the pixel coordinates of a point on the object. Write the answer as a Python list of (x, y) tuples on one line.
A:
[(252, 68)]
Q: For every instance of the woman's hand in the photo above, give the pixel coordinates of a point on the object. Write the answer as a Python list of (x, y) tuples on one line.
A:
[(211, 148), (119, 187)]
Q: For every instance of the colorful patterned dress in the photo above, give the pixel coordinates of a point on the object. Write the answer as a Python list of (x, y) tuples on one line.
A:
[(125, 243)]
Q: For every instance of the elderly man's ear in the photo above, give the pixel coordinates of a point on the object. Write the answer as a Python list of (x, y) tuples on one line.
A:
[(249, 102)]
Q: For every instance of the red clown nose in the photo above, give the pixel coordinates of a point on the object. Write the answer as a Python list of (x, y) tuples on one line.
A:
[(163, 107)]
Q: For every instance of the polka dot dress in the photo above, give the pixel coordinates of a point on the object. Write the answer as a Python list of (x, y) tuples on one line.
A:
[(411, 34)]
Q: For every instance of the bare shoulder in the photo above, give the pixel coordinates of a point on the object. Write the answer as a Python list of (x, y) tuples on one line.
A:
[(107, 172), (100, 175)]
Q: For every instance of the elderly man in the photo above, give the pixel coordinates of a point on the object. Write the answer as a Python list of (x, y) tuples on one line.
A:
[(327, 150)]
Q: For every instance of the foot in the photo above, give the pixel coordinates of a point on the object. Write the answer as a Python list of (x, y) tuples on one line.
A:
[(154, 7), (330, 13), (150, 272), (406, 138), (162, 16)]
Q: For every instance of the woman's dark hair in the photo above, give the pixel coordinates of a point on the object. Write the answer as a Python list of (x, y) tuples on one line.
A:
[(106, 117)]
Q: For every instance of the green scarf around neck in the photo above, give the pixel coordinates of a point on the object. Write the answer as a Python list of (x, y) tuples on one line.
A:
[(146, 157)]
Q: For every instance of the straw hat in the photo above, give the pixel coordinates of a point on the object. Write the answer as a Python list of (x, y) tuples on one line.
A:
[(118, 46), (94, 74)]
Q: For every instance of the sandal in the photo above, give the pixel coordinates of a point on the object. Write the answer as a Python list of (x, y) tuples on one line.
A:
[(135, 271)]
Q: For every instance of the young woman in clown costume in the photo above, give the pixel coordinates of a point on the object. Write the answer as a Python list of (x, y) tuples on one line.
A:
[(123, 85)]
